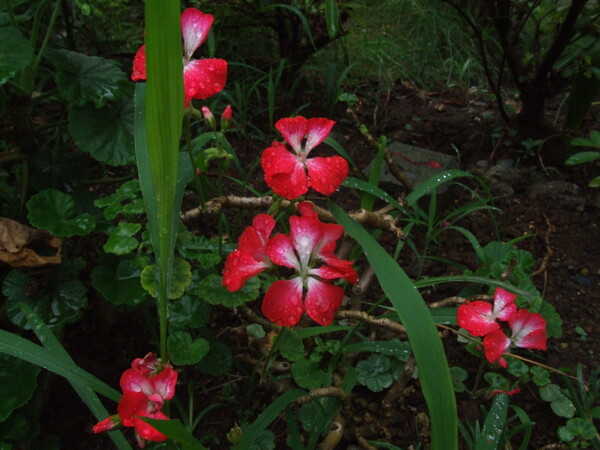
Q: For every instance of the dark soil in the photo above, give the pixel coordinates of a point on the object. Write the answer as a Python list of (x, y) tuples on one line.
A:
[(565, 240)]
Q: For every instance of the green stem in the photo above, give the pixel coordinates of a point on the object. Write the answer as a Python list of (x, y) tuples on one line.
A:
[(38, 59), (188, 143), (11, 13)]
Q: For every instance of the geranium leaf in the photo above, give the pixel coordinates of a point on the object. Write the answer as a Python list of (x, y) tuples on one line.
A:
[(185, 350), (374, 372), (189, 312), (83, 79), (211, 291), (54, 211), (307, 374), (290, 344), (106, 133), (15, 53), (18, 380), (180, 278), (218, 360), (121, 286), (121, 240)]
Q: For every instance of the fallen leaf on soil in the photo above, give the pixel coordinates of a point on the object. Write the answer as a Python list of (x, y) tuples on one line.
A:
[(15, 239)]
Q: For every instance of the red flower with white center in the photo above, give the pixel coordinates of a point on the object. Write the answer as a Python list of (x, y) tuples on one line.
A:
[(202, 78), (478, 317), (251, 257), (528, 330), (291, 174), (145, 388), (309, 244)]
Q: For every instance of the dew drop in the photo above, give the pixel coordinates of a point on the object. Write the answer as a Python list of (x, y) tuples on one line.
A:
[(291, 319), (202, 86), (299, 310), (211, 67)]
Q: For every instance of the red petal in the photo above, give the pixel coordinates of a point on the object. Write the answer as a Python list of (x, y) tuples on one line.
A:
[(254, 239), (139, 65), (284, 172), (293, 130), (239, 268), (318, 130), (326, 174), (495, 344), (133, 380), (529, 330), (130, 403), (504, 304), (337, 269), (476, 317), (283, 302), (281, 251), (164, 383), (195, 26), (203, 78), (322, 301), (147, 431), (107, 424)]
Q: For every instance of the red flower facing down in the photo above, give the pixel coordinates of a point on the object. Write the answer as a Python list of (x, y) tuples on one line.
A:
[(145, 388), (478, 317), (291, 174), (202, 78)]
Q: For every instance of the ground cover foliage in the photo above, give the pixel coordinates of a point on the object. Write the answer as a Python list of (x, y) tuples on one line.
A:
[(293, 277)]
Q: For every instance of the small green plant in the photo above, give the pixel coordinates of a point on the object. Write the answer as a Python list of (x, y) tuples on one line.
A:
[(593, 141)]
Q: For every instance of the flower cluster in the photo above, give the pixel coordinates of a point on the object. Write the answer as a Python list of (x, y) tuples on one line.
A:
[(527, 329), (146, 386), (309, 251), (202, 78)]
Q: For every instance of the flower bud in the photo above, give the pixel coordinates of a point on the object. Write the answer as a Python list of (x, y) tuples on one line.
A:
[(209, 119), (110, 423), (226, 118)]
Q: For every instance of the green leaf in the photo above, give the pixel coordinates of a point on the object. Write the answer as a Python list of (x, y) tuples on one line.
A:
[(559, 402), (374, 372), (582, 428), (218, 360), (594, 182), (121, 240), (180, 278), (18, 380), (423, 336), (175, 430), (494, 424), (119, 283), (394, 347), (184, 350), (211, 291), (539, 375), (188, 312), (16, 53), (459, 375), (332, 18), (307, 374), (82, 79), (313, 415), (264, 441), (290, 344), (432, 183), (106, 133), (58, 303), (54, 211), (582, 158)]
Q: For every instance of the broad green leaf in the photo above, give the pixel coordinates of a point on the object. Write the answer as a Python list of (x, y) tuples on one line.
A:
[(105, 133), (175, 430), (121, 241), (594, 182), (393, 347), (18, 380), (180, 278), (313, 416), (459, 375), (218, 360), (188, 312), (559, 402), (495, 421), (83, 79), (434, 373), (57, 303), (307, 374), (582, 158), (290, 344), (582, 428), (375, 372), (16, 53), (185, 350), (264, 441), (126, 200), (539, 375), (54, 211), (120, 283), (211, 291)]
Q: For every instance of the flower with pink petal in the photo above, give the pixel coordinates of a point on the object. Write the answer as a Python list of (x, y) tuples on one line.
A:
[(202, 78), (251, 257), (478, 317), (291, 174), (309, 244), (146, 386), (528, 330)]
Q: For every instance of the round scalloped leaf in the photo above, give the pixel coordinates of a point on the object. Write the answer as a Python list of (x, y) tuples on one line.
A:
[(211, 291), (290, 345), (54, 211), (184, 350), (55, 303), (188, 312), (218, 360), (18, 380), (82, 78), (374, 372), (120, 287), (15, 53), (121, 240), (181, 277), (106, 133), (307, 374)]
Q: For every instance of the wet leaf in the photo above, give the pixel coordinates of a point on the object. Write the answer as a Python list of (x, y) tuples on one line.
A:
[(211, 291), (54, 211), (18, 380), (185, 350), (180, 278), (307, 374), (290, 345), (120, 286), (121, 240), (374, 372), (189, 312), (15, 53)]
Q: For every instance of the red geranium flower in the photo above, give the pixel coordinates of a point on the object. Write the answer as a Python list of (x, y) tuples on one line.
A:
[(478, 317), (251, 257), (291, 174), (202, 78), (145, 388), (528, 331), (309, 244)]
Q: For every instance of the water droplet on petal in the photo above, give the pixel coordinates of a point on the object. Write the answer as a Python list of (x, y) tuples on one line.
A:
[(299, 310), (211, 67), (291, 320), (202, 86)]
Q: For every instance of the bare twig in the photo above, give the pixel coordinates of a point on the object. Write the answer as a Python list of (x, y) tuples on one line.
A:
[(364, 317), (549, 252), (329, 391)]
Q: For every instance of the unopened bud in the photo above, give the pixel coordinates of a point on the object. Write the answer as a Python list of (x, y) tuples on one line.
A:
[(235, 434), (209, 119), (226, 118), (110, 423)]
